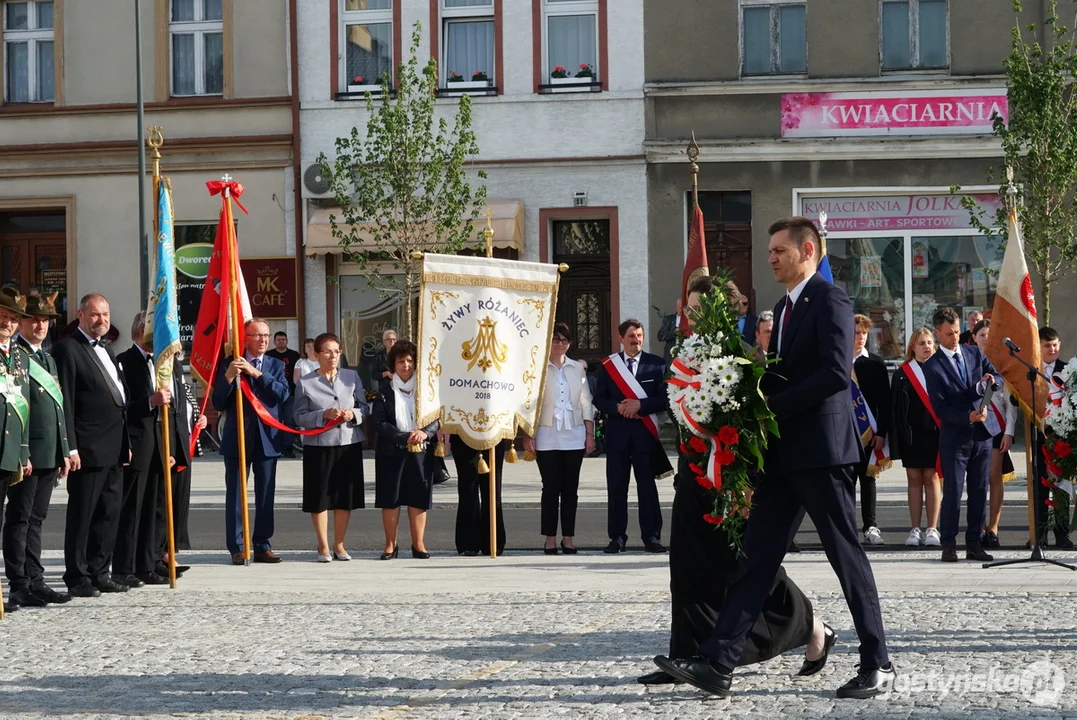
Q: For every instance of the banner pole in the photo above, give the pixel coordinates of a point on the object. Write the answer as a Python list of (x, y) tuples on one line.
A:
[(155, 141), (493, 501), (1030, 450), (237, 348)]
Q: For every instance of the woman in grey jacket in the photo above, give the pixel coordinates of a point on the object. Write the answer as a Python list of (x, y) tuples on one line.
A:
[(332, 460)]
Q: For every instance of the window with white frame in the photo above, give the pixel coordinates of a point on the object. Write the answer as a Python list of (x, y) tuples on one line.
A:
[(196, 47), (570, 40), (367, 27), (915, 35), (468, 41), (29, 52), (774, 38)]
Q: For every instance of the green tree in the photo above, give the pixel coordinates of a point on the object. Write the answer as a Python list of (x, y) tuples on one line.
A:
[(402, 185), (1040, 145)]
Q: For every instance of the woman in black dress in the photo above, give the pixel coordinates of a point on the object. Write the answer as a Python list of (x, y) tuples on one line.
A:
[(916, 439), (702, 564), (404, 460)]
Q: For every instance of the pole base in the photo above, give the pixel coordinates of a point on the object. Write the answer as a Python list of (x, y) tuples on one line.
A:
[(1037, 556)]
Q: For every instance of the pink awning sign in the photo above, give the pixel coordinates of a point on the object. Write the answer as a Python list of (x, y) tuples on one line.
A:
[(927, 112)]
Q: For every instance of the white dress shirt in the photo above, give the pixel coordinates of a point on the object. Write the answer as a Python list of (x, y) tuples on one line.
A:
[(106, 360), (562, 434), (633, 367), (793, 295)]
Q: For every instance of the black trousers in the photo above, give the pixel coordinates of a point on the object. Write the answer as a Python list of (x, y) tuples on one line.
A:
[(778, 507), (93, 513), (868, 495), (560, 472), (27, 506), (136, 535), (473, 492), (619, 469)]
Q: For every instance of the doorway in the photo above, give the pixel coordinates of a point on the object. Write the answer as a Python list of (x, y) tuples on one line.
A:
[(33, 254), (583, 299)]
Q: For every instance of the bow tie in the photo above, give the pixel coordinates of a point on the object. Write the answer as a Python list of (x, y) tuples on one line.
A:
[(98, 343)]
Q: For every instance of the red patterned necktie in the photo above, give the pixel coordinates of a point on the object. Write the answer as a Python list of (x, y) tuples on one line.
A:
[(787, 315)]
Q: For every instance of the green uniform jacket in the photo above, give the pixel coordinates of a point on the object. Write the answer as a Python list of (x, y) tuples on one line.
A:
[(48, 428), (15, 442)]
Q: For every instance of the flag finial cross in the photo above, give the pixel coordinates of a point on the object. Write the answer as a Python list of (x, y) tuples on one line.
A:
[(226, 177)]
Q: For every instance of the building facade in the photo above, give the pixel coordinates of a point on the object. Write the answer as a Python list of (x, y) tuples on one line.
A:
[(567, 179), (868, 111), (216, 76)]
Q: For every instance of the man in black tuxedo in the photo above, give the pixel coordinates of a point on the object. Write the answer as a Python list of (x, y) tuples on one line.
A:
[(1050, 347), (28, 501), (631, 391), (135, 559), (809, 467), (95, 407)]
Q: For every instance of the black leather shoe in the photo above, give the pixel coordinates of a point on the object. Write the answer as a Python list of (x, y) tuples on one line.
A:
[(698, 672), (51, 596), (869, 683), (162, 570), (550, 551), (85, 590), (108, 585), (658, 677), (989, 540), (568, 550), (975, 552), (810, 667), (26, 598), (614, 547), (793, 547), (390, 555), (949, 554), (419, 554), (653, 546), (131, 581), (1063, 541), (152, 578), (180, 569), (470, 553), (10, 607)]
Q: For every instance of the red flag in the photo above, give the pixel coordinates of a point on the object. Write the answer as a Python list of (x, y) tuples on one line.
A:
[(695, 263)]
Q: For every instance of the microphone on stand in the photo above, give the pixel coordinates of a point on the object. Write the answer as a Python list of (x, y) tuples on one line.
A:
[(1011, 345)]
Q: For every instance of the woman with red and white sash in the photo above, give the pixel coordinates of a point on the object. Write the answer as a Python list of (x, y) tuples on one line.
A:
[(915, 439), (1002, 470)]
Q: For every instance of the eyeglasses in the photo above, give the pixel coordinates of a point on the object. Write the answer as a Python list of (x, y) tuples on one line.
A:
[(254, 335), (330, 352), (561, 341)]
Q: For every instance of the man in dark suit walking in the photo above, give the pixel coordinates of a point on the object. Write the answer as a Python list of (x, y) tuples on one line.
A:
[(266, 377), (95, 407), (631, 391), (809, 468), (957, 376), (28, 501), (136, 555)]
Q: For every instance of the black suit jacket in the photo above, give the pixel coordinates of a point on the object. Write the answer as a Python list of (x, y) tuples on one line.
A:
[(48, 428), (141, 418), (96, 417), (874, 381), (808, 387), (620, 432)]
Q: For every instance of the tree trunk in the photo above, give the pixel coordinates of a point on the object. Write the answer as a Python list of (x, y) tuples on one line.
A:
[(1047, 295), (409, 300)]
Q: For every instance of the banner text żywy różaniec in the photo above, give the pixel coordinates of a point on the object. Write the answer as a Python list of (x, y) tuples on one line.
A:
[(484, 341)]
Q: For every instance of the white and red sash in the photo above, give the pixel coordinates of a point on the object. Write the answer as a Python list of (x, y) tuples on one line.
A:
[(915, 374), (628, 385)]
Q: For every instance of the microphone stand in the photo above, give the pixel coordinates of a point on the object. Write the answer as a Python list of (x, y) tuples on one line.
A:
[(1030, 464)]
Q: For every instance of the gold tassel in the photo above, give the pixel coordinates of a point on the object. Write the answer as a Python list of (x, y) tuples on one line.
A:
[(529, 456), (511, 456), (483, 468), (440, 450)]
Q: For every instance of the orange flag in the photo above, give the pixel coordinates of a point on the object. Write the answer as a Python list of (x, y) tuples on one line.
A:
[(695, 263), (1014, 317)]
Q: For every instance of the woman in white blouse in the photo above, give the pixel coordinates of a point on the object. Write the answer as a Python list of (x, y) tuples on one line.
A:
[(566, 432)]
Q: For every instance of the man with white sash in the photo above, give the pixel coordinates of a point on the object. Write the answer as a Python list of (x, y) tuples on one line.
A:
[(28, 501), (14, 405), (631, 392)]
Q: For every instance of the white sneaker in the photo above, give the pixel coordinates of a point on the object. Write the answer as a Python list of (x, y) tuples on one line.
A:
[(915, 539), (872, 536), (933, 538)]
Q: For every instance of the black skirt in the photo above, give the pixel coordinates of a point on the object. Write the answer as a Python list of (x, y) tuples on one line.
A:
[(404, 478), (333, 478), (701, 567)]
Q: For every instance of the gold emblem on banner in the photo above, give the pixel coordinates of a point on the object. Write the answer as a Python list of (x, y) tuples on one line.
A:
[(437, 297), (484, 349), (434, 368), (530, 376), (536, 304), (480, 422)]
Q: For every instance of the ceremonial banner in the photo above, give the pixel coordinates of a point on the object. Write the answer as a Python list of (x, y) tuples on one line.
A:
[(1014, 317), (162, 316), (695, 261), (485, 327)]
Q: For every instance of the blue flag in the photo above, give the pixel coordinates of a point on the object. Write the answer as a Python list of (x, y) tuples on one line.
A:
[(824, 268), (162, 316)]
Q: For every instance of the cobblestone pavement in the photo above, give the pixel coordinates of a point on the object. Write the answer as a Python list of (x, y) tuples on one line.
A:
[(523, 636)]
